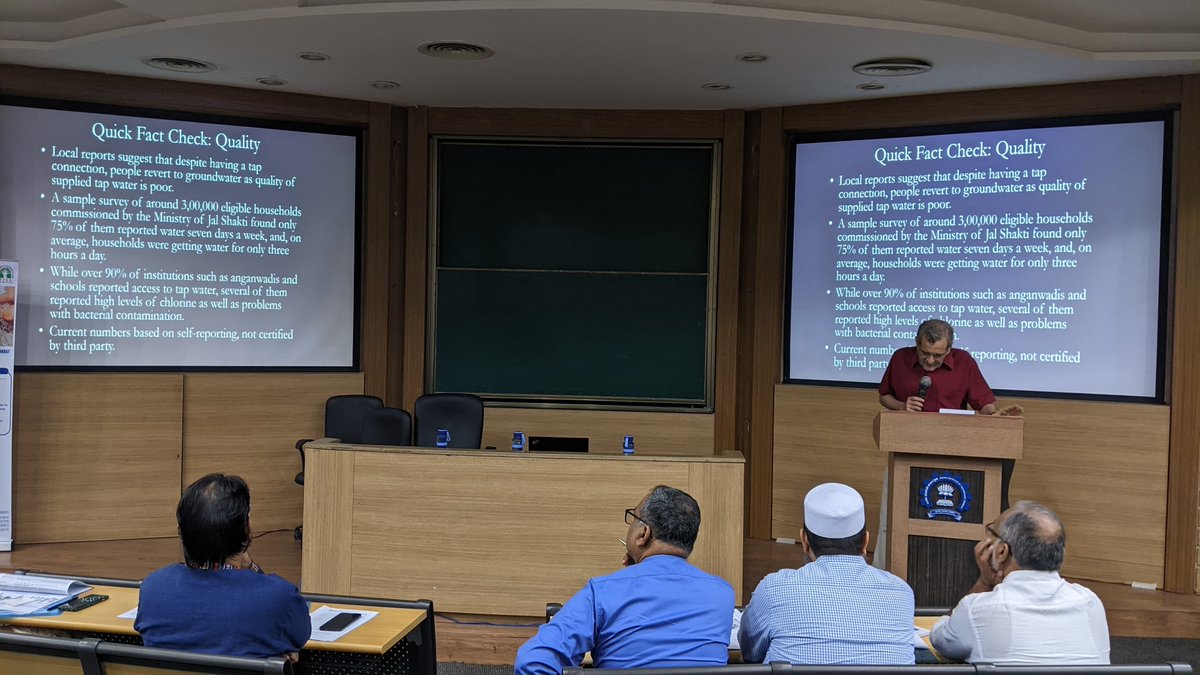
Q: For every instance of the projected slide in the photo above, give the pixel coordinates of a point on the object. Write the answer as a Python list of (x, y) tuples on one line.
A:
[(149, 242), (1042, 247)]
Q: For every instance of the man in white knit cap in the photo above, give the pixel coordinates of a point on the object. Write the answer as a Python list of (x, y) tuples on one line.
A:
[(837, 609)]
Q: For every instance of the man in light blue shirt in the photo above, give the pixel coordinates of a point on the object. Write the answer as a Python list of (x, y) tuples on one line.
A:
[(658, 612), (837, 609)]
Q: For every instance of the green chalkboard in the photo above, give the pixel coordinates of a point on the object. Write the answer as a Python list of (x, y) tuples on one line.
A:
[(573, 272)]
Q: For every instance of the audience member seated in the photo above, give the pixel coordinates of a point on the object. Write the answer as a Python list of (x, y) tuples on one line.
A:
[(1020, 611), (658, 612), (219, 601), (836, 609)]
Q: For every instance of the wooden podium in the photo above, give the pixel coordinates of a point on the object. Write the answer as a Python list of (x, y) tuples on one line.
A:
[(944, 475)]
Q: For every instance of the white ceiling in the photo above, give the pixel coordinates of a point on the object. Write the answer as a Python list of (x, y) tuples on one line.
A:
[(652, 54)]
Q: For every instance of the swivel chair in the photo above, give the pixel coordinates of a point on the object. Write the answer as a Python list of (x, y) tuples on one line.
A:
[(460, 414), (387, 426), (343, 420)]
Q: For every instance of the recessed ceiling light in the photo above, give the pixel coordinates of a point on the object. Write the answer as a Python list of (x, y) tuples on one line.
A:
[(271, 81), (716, 86), (455, 50), (893, 67), (178, 65), (753, 57), (313, 56), (872, 86), (385, 84)]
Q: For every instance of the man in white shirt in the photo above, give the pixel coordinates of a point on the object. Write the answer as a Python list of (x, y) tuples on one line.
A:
[(1020, 611)]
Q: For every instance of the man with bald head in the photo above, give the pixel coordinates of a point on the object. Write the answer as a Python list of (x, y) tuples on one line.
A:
[(1020, 611)]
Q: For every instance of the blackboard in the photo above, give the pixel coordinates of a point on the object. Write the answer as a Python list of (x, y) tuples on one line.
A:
[(573, 271)]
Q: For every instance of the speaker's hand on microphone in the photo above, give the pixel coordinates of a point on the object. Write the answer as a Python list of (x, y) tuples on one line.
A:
[(914, 404)]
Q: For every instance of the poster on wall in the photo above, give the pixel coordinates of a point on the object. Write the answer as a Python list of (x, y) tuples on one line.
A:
[(8, 320)]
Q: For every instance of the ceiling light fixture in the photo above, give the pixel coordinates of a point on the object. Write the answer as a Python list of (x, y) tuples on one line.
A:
[(894, 67), (270, 81), (313, 56), (455, 50), (716, 86), (872, 86), (179, 65), (753, 57), (384, 84)]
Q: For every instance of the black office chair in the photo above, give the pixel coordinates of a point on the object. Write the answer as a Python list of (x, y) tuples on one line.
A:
[(387, 426), (343, 420), (460, 414)]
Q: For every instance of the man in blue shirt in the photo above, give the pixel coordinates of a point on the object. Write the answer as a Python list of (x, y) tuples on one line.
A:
[(219, 601), (837, 609), (658, 612)]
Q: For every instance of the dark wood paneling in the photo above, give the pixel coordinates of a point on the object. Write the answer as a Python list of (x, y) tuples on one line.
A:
[(373, 305), (73, 85), (1084, 98), (728, 276), (768, 300), (940, 571), (534, 123), (397, 248), (1183, 469), (416, 241)]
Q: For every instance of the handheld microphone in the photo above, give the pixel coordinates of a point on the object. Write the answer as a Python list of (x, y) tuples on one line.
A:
[(926, 383)]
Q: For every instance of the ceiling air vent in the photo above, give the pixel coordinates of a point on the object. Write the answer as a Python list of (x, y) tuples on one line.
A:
[(179, 65), (458, 51), (893, 67)]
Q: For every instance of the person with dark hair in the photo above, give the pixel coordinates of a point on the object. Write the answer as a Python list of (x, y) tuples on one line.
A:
[(955, 378), (219, 601), (1020, 611), (658, 612), (836, 609)]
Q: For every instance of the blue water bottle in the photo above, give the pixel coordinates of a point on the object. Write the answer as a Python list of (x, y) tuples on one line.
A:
[(443, 438), (627, 446), (518, 441)]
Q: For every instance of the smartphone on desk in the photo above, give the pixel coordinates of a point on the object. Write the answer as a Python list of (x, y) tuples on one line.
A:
[(340, 621), (81, 603)]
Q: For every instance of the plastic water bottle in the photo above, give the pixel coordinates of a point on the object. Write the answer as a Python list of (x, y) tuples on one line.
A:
[(518, 441), (443, 438), (627, 446)]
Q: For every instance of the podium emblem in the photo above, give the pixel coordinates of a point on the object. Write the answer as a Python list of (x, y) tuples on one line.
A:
[(945, 494)]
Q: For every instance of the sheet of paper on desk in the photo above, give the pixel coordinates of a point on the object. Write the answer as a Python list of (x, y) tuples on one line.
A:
[(737, 623), (131, 614), (919, 635), (956, 411), (324, 613)]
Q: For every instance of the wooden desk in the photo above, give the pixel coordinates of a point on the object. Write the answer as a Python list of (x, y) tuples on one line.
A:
[(376, 636), (495, 532)]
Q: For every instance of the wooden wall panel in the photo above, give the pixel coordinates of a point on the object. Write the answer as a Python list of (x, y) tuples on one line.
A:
[(1101, 466), (1183, 521), (374, 256), (655, 433), (248, 424), (725, 368), (96, 456), (546, 123)]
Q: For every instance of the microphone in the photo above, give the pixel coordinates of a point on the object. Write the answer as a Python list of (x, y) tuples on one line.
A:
[(926, 383)]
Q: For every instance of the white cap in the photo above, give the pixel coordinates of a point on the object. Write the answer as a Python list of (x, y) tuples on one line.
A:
[(834, 511)]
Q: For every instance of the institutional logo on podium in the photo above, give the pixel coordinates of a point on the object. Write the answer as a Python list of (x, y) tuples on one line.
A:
[(945, 494)]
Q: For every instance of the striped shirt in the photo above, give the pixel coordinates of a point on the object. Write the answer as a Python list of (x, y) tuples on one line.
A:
[(837, 610)]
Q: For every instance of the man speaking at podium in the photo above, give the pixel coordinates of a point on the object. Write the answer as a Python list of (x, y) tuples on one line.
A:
[(926, 378), (933, 375)]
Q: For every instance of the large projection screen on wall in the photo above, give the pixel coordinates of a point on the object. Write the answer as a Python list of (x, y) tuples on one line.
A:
[(154, 241), (1043, 244)]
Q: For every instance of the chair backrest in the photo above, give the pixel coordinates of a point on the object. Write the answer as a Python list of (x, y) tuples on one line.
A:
[(48, 655), (387, 426), (460, 414), (344, 415)]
